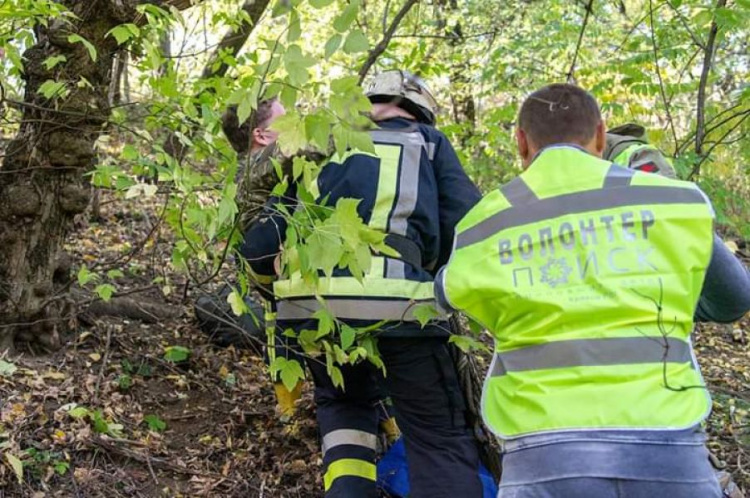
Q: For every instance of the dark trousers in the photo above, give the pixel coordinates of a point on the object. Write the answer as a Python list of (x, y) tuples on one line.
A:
[(422, 384)]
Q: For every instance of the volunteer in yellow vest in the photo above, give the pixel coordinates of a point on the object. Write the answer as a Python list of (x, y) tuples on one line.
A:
[(627, 145), (588, 275)]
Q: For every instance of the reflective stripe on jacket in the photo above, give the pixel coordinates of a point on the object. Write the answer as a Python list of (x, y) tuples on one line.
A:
[(587, 274)]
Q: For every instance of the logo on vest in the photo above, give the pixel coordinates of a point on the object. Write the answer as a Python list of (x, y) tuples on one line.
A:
[(607, 244), (555, 272)]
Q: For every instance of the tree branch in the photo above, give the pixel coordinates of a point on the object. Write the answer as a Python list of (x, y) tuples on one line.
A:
[(234, 40), (700, 133), (589, 8), (383, 44), (658, 73)]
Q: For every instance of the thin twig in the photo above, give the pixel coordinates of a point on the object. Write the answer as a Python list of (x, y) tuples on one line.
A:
[(667, 108), (105, 360), (589, 8), (700, 134)]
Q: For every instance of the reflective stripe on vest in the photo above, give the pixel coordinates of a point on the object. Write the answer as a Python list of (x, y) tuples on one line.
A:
[(384, 293), (587, 275)]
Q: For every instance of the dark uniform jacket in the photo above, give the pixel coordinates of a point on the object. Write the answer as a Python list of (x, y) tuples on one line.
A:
[(419, 192)]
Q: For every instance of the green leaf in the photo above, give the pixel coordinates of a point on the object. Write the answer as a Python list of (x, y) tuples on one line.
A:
[(319, 4), (295, 28), (52, 88), (248, 103), (176, 354), (424, 313), (100, 424), (325, 322), (337, 377), (75, 38), (332, 45), (85, 276), (475, 327), (296, 64), (318, 130), (291, 130), (291, 374), (325, 250), (7, 369), (113, 274), (17, 465), (467, 344), (288, 96), (53, 61), (129, 153), (356, 42), (238, 305), (61, 467), (105, 291), (78, 412), (155, 423), (124, 382), (348, 334), (345, 19), (124, 32)]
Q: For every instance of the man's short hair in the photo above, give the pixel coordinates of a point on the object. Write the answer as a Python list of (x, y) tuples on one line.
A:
[(240, 135), (559, 113)]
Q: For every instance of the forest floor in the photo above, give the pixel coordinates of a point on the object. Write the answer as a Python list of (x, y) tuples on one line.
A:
[(108, 415)]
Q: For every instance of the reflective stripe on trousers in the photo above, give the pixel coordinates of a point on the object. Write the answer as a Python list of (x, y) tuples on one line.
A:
[(349, 453), (348, 467)]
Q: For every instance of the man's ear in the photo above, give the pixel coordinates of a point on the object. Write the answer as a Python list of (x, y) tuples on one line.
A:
[(260, 137), (601, 138), (523, 144)]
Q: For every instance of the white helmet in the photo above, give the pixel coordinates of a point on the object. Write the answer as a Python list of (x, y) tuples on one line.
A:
[(405, 90)]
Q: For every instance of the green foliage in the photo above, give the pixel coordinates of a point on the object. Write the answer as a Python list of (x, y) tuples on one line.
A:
[(7, 369), (90, 48), (176, 354), (96, 419), (482, 57), (38, 461), (155, 423)]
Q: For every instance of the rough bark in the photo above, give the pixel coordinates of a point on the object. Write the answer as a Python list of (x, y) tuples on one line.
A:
[(42, 185)]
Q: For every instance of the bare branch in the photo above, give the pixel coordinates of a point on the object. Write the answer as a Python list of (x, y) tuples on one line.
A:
[(708, 53), (383, 44), (664, 98), (572, 69)]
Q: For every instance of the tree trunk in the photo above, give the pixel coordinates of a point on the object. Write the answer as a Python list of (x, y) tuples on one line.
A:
[(464, 108), (48, 157)]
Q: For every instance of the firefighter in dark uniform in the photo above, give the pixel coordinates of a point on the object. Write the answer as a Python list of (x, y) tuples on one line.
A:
[(414, 190)]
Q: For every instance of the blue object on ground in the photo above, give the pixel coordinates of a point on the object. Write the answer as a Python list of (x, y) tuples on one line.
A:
[(393, 473)]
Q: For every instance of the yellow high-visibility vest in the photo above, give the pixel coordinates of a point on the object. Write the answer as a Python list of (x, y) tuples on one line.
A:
[(588, 275)]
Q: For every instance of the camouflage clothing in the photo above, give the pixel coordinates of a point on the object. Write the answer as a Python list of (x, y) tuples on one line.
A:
[(256, 179)]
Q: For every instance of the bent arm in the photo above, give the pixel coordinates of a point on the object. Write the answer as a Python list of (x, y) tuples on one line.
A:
[(726, 289), (262, 241)]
